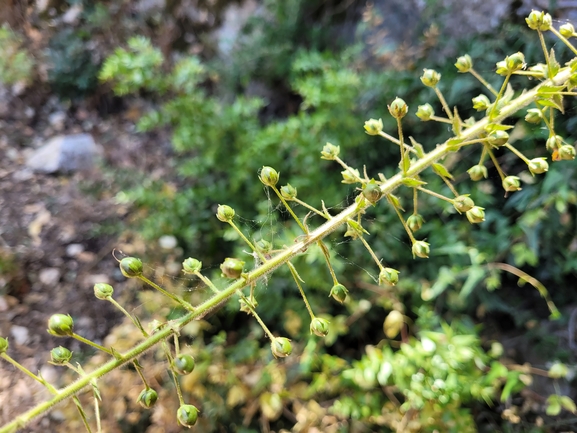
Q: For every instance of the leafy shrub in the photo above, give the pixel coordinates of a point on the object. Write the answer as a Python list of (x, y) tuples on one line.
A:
[(16, 64)]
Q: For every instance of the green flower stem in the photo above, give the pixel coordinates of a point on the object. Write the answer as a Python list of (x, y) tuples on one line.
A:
[(173, 373), (444, 103), (286, 205), (544, 47), (516, 152), (371, 252), (97, 413), (138, 369), (564, 40), (127, 314), (402, 146), (28, 373), (407, 229), (495, 162), (415, 201), (349, 169), (483, 81), (297, 279), (206, 281), (175, 298), (245, 239), (309, 207), (434, 194), (256, 316), (483, 156), (499, 95), (476, 140), (390, 138), (91, 343), (327, 255), (82, 413), (278, 259), (450, 185), (441, 119)]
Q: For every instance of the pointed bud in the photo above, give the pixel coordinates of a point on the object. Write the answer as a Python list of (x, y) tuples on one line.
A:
[(481, 102), (373, 126), (319, 327), (330, 152), (187, 415), (191, 266), (538, 20), (60, 325), (534, 115), (232, 268), (554, 142), (388, 275), (348, 177), (60, 355), (463, 203), (477, 172), (393, 323), (430, 78), (498, 138), (515, 62), (225, 213), (567, 30), (3, 345), (421, 249), (464, 63), (511, 184), (183, 364), (372, 191), (398, 108), (288, 192), (131, 267), (269, 176), (103, 291), (425, 112), (415, 222), (538, 165), (567, 152), (147, 398), (281, 347), (476, 215), (339, 293)]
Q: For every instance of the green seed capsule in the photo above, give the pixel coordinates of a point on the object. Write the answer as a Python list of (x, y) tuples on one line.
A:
[(225, 213), (393, 324), (319, 327), (389, 275), (183, 364), (191, 266), (421, 249), (232, 268), (187, 415), (3, 345), (281, 347), (476, 215), (339, 293), (463, 203), (103, 291), (538, 165), (60, 355), (131, 267), (269, 176), (147, 398), (430, 77), (373, 126), (372, 191), (288, 192), (398, 108), (477, 172), (425, 112), (60, 325), (330, 152), (511, 184), (464, 63)]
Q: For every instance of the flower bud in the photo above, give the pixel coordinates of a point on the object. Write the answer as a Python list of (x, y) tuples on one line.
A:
[(511, 183), (476, 215), (373, 126), (534, 115), (288, 192), (481, 102), (60, 355), (372, 191), (187, 415), (554, 142), (232, 268), (319, 327), (421, 249), (268, 176), (415, 222), (567, 152), (225, 213), (477, 172), (348, 177), (388, 275), (103, 291), (430, 77), (339, 293), (398, 108), (567, 30), (498, 138), (281, 347), (147, 398), (330, 151), (131, 267), (425, 112), (539, 21), (183, 364), (191, 266), (264, 246), (515, 62), (393, 323), (464, 63), (463, 203), (60, 325), (538, 165), (3, 345)]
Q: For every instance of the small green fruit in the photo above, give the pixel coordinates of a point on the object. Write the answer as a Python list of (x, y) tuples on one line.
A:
[(3, 345), (269, 176), (288, 192), (147, 398), (476, 215), (538, 20), (330, 152), (183, 364), (464, 63), (373, 126), (538, 165), (372, 191), (415, 222), (463, 203), (511, 184), (567, 30), (191, 266), (319, 327), (281, 347), (264, 246), (389, 275), (481, 103), (60, 355), (339, 293), (425, 112), (225, 213), (103, 291), (187, 415), (421, 249), (567, 152), (534, 115), (477, 172), (393, 323), (398, 108), (232, 268), (430, 77), (60, 325), (131, 267), (498, 138)]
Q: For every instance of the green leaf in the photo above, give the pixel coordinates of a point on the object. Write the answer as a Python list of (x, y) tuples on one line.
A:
[(551, 102), (476, 274), (548, 90), (441, 170), (512, 382), (412, 183)]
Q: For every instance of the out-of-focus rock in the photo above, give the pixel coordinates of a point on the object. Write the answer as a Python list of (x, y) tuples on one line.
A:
[(65, 153)]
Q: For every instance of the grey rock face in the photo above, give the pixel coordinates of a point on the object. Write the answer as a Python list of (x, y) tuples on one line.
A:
[(66, 154)]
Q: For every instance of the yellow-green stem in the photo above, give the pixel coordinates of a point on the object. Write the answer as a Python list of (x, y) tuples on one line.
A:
[(371, 252), (91, 343), (434, 194), (309, 207), (415, 201), (407, 229), (245, 239), (175, 298), (287, 207), (327, 256), (297, 277), (564, 40), (444, 103), (483, 81), (127, 314), (28, 373), (495, 162), (516, 152)]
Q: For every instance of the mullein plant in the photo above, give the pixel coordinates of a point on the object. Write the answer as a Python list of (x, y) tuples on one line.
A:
[(544, 103)]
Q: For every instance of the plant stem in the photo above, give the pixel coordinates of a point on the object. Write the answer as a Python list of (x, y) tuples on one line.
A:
[(175, 298)]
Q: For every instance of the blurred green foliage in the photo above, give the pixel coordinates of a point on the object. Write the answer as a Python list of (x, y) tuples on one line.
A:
[(16, 64)]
